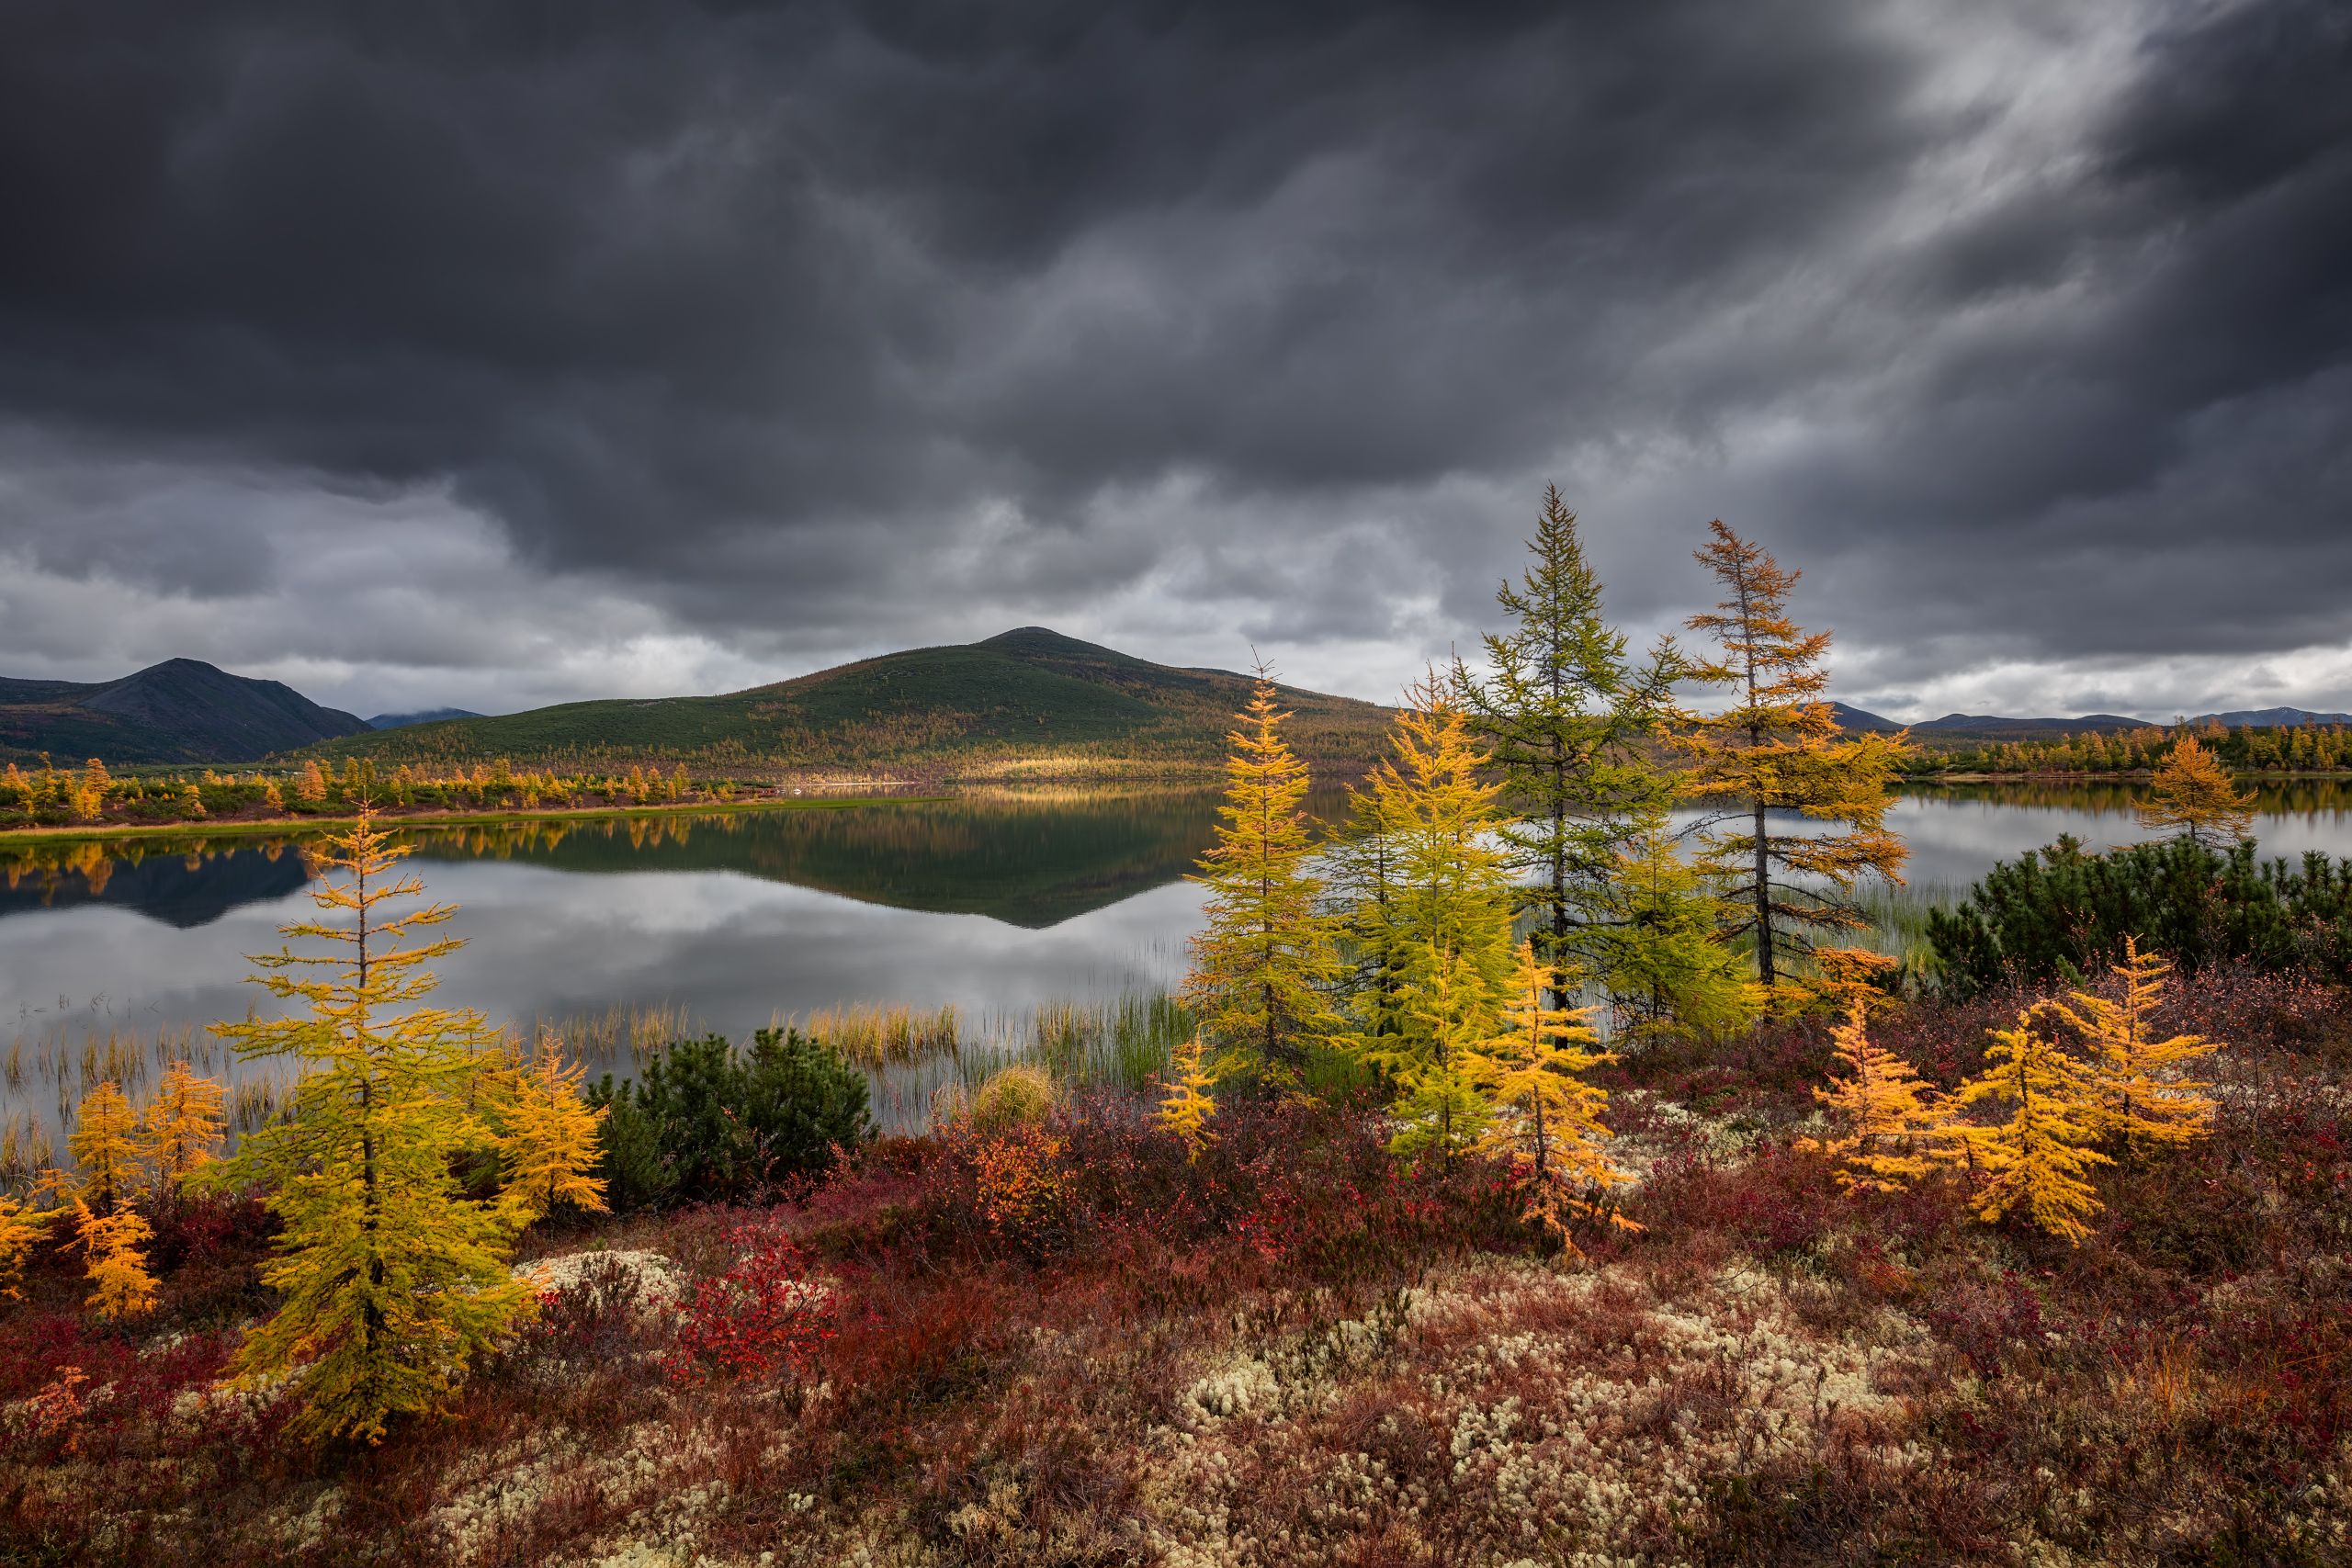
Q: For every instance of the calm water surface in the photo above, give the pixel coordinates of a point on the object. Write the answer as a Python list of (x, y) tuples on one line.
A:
[(733, 921)]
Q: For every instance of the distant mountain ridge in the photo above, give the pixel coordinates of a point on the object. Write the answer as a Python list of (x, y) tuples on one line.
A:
[(2270, 719), (1021, 704), (182, 710), (421, 715), (1964, 727)]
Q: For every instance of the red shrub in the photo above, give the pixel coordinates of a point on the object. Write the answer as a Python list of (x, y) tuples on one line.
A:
[(768, 1313)]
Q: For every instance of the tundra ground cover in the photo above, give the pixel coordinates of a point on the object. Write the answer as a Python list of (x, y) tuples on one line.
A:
[(1064, 1340)]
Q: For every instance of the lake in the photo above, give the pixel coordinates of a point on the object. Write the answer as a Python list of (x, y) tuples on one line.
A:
[(997, 906)]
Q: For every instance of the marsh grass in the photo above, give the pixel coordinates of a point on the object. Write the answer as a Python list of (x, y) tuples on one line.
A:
[(875, 1037)]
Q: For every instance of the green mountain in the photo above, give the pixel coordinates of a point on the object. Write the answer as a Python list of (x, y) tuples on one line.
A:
[(182, 710), (1030, 703)]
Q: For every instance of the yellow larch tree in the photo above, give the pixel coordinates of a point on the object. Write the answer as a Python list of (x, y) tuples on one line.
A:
[(115, 1246), (2038, 1162), (90, 796), (21, 1227), (104, 1145), (1431, 885), (1545, 1119), (545, 1133), (2194, 795), (1777, 748), (181, 1128), (311, 789), (390, 1278), (1893, 1128), (1264, 954), (2142, 1097), (1186, 1110)]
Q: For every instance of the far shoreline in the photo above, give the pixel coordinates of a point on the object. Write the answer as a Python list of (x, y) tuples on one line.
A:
[(259, 827)]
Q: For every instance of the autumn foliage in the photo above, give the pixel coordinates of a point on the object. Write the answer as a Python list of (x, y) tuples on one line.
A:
[(1893, 1129)]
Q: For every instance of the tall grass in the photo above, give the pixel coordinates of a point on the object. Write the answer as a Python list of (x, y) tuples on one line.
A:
[(918, 1061), (877, 1037)]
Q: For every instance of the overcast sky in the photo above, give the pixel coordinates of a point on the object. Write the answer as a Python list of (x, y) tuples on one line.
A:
[(646, 348)]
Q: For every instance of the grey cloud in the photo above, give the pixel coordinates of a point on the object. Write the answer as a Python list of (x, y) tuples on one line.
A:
[(797, 330)]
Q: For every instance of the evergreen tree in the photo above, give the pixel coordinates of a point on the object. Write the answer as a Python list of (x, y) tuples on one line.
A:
[(1546, 1120), (2141, 1095), (1896, 1128), (390, 1278), (1186, 1110), (182, 1127), (2194, 794), (1264, 955), (545, 1133), (1566, 718), (2039, 1161), (1777, 748)]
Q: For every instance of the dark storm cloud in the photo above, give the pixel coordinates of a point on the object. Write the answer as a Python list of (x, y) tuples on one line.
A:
[(802, 330)]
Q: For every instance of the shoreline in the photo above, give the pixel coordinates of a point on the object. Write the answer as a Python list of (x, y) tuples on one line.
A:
[(2139, 775), (250, 827)]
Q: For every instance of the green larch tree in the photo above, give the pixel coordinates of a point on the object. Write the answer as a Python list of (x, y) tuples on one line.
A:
[(1664, 966), (1568, 721)]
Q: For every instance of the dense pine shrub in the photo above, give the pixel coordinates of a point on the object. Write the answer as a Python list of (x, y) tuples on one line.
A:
[(709, 1122), (2063, 913)]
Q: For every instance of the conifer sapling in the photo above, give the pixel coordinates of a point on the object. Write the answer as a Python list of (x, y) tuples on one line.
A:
[(1546, 1120), (390, 1278), (1264, 953), (1187, 1108), (1896, 1128), (2142, 1097)]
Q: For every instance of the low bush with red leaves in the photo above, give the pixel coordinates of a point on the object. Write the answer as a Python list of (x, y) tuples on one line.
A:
[(767, 1314)]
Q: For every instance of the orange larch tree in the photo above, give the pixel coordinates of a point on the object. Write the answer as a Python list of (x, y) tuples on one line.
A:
[(105, 1145), (1544, 1118), (2194, 795), (181, 1128), (545, 1133), (1896, 1129), (1777, 747), (2141, 1096)]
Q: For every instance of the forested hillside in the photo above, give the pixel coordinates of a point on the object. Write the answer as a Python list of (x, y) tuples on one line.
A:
[(1028, 701)]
